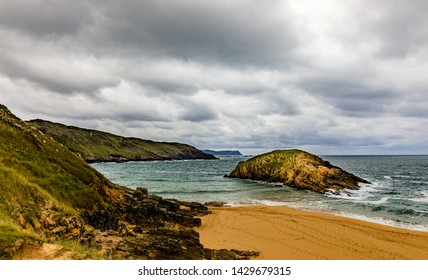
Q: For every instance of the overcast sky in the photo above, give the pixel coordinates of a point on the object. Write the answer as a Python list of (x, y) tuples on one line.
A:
[(330, 77)]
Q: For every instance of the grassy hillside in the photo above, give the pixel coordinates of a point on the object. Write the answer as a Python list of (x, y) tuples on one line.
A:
[(42, 183), (93, 145)]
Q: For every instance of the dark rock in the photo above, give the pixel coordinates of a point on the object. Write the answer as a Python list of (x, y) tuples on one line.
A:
[(197, 208), (165, 244), (215, 203), (171, 205), (223, 254), (102, 219), (141, 193)]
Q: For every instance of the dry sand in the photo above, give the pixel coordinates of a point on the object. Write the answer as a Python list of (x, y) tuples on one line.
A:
[(284, 233)]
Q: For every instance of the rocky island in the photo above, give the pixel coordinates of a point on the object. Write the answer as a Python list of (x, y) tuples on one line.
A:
[(98, 146), (297, 169), (53, 205)]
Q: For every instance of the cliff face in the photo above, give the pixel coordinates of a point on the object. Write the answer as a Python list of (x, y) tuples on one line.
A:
[(49, 195), (297, 169), (98, 146)]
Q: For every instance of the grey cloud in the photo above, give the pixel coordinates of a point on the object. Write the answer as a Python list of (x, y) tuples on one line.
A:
[(137, 116), (227, 73), (351, 97), (226, 32), (399, 25), (165, 86), (195, 111), (198, 115), (55, 77), (45, 18), (412, 109)]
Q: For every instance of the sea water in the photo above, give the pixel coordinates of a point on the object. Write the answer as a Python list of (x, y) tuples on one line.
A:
[(397, 195)]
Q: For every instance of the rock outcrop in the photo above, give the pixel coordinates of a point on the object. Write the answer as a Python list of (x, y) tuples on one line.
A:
[(150, 227), (297, 169)]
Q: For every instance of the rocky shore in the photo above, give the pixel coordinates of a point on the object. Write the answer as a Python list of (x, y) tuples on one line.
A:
[(53, 205), (297, 169), (141, 226)]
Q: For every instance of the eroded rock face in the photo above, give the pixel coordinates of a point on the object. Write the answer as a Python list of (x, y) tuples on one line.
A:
[(144, 226), (297, 169), (150, 227)]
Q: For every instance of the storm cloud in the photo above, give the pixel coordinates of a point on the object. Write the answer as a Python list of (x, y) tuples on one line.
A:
[(331, 77)]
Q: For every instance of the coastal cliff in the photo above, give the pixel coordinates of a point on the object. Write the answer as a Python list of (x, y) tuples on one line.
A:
[(51, 198), (97, 146), (297, 169)]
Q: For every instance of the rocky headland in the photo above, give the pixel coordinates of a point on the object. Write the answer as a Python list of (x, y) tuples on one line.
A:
[(297, 169), (226, 153), (98, 146), (53, 205)]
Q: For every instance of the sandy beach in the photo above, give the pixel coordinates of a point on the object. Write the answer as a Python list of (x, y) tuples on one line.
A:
[(284, 233)]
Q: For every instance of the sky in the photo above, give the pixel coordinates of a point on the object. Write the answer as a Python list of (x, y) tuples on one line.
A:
[(329, 77)]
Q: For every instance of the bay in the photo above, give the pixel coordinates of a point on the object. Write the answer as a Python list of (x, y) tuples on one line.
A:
[(398, 195)]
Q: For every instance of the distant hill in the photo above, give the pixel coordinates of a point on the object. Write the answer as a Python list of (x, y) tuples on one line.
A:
[(223, 153), (97, 146)]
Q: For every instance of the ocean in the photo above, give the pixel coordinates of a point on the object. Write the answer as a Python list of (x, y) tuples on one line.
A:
[(398, 195)]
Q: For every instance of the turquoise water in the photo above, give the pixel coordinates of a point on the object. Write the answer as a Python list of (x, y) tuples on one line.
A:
[(397, 196)]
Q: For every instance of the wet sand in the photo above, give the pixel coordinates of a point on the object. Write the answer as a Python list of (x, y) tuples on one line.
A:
[(281, 233)]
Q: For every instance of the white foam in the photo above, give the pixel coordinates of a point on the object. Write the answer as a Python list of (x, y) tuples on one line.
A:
[(383, 221), (402, 176), (324, 209), (423, 197), (269, 202), (363, 194), (419, 182), (377, 202)]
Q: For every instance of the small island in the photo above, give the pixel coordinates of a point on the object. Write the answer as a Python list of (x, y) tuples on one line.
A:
[(297, 169)]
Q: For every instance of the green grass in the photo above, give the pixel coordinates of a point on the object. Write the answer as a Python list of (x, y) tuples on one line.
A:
[(30, 159), (10, 232), (8, 236), (80, 251), (95, 145), (41, 180), (274, 160)]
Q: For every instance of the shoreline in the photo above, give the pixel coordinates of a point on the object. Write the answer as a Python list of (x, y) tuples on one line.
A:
[(281, 233)]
